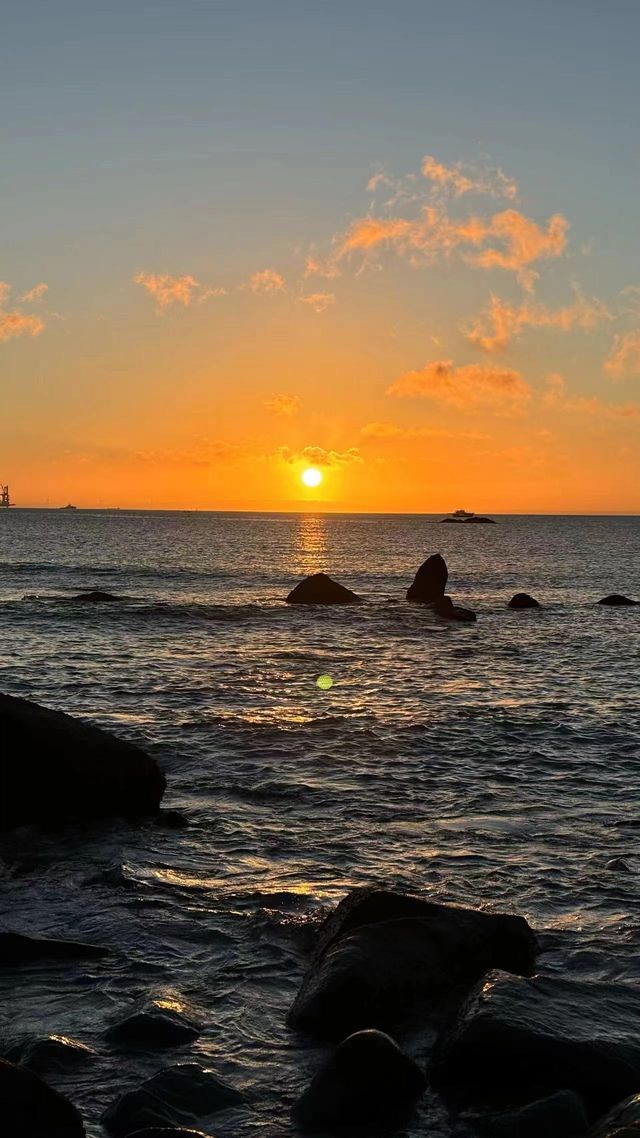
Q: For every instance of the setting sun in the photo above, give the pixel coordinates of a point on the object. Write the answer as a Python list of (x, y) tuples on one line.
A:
[(311, 476)]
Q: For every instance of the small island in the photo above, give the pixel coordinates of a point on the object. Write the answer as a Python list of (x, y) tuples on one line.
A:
[(464, 517)]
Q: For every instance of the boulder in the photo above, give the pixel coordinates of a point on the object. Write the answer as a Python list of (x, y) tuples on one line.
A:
[(319, 589), (31, 1109), (153, 1028), (367, 1081), (561, 1115), (528, 1038), (430, 581), (445, 608), (622, 1121), (93, 597), (52, 1054), (177, 1096), (617, 599), (384, 957), (15, 948), (523, 601), (54, 768)]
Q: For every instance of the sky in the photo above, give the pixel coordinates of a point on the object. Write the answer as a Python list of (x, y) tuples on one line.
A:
[(397, 243)]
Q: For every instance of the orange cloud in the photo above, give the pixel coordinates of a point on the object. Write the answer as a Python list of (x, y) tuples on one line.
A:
[(453, 179), (494, 329), (624, 359), (167, 290), (557, 398), (14, 322), (469, 386), (282, 404), (318, 456), (388, 432), (319, 301), (316, 268), (524, 241), (35, 293), (268, 281)]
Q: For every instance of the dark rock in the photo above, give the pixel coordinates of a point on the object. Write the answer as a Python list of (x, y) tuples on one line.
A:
[(319, 589), (152, 1028), (446, 609), (530, 1038), (176, 1096), (382, 957), (172, 820), (167, 1132), (617, 599), (561, 1115), (55, 768), (523, 601), (51, 1055), (478, 520), (430, 581), (367, 1080), (94, 597), (31, 1109), (18, 949), (622, 1121)]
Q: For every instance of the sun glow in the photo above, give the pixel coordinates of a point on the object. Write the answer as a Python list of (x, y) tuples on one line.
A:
[(311, 476)]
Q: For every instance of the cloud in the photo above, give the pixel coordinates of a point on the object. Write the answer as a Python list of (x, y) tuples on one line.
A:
[(624, 358), (453, 179), (494, 329), (318, 268), (318, 456), (319, 301), (35, 293), (167, 290), (389, 432), (472, 385), (13, 321), (211, 294), (267, 281), (283, 404), (557, 398), (523, 242)]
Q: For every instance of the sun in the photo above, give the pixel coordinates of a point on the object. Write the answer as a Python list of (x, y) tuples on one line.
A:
[(311, 476)]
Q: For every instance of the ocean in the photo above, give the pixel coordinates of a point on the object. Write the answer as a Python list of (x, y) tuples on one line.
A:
[(492, 764)]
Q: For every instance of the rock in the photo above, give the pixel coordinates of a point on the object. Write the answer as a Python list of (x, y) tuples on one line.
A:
[(31, 1109), (523, 601), (153, 1028), (167, 1132), (172, 820), (561, 1115), (446, 609), (382, 957), (529, 1038), (617, 599), (15, 948), (368, 1080), (319, 589), (56, 768), (94, 597), (430, 581), (51, 1055), (478, 520), (623, 1120), (175, 1096)]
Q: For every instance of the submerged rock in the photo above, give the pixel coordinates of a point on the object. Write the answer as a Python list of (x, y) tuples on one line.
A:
[(31, 1109), (367, 1080), (50, 1055), (617, 599), (177, 1096), (523, 601), (319, 589), (527, 1038), (167, 1132), (55, 768), (383, 957), (621, 1122), (561, 1115), (15, 948), (430, 581), (151, 1028), (172, 820), (94, 597), (446, 609)]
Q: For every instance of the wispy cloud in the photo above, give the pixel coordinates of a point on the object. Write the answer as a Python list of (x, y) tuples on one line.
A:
[(167, 290), (267, 281), (494, 329), (392, 432), (624, 357), (318, 456), (557, 397), (463, 178), (319, 301), (471, 385), (35, 293), (283, 404), (13, 321)]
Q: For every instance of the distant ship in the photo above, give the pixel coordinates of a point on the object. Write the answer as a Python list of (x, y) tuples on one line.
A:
[(462, 514), (5, 500), (68, 507), (464, 517)]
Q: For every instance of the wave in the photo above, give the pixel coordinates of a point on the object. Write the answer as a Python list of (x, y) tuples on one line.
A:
[(136, 571)]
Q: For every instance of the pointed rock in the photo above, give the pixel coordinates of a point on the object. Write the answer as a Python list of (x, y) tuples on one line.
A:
[(430, 581)]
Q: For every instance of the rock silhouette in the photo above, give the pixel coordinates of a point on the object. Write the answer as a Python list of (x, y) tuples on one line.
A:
[(319, 589), (16, 948), (94, 597), (621, 1122), (446, 609), (523, 601), (368, 1080), (50, 1055), (382, 957), (430, 581), (177, 1096), (31, 1109), (617, 599), (153, 1028), (54, 768), (561, 1115)]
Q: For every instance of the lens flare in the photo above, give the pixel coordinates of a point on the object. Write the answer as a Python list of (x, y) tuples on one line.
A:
[(324, 682), (311, 476)]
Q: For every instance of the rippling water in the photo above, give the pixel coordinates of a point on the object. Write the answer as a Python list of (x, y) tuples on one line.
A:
[(492, 764)]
